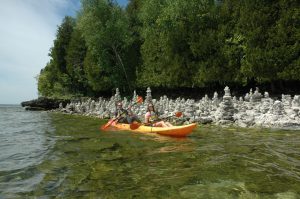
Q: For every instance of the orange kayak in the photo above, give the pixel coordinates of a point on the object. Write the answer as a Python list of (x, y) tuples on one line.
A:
[(176, 131)]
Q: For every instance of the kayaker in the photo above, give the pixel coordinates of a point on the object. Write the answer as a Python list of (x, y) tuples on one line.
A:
[(151, 118), (126, 116)]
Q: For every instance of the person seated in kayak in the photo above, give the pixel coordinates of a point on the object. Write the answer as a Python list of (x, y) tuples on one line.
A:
[(126, 116), (151, 118)]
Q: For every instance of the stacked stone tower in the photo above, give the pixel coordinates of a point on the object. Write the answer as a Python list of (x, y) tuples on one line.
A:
[(225, 111)]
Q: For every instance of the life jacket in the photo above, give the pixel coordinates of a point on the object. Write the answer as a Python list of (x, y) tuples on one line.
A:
[(121, 112), (153, 117)]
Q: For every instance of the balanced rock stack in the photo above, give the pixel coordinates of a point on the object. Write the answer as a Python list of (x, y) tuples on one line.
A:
[(287, 104), (148, 96), (189, 110), (296, 105), (117, 95), (253, 110), (256, 96), (266, 103), (224, 113), (278, 108), (215, 101)]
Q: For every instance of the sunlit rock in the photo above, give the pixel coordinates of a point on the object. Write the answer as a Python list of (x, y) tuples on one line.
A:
[(256, 96), (148, 98), (256, 110), (224, 113), (215, 101), (189, 108)]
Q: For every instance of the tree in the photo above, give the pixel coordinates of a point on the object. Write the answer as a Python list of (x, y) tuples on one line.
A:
[(104, 26), (286, 41), (173, 44), (76, 54), (63, 37), (54, 81), (180, 46), (133, 57)]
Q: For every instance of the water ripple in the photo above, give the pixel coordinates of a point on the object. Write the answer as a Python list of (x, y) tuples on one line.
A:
[(25, 140)]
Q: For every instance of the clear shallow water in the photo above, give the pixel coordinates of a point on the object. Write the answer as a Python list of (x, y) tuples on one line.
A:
[(54, 155), (25, 140)]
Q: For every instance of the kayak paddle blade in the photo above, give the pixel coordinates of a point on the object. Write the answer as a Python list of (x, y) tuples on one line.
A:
[(134, 125), (139, 99), (178, 114), (103, 127)]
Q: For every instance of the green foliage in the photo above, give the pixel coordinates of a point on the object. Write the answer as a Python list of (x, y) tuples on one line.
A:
[(45, 79), (133, 56), (51, 85), (97, 77), (287, 40), (61, 43), (54, 80), (76, 54), (271, 38), (173, 44), (105, 28), (165, 51)]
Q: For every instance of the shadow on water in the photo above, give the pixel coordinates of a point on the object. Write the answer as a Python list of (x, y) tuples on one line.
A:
[(213, 162)]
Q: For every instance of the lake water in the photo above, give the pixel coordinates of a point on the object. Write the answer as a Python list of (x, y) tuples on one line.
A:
[(48, 155)]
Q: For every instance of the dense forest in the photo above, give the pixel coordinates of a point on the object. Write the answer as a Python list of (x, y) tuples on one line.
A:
[(173, 44)]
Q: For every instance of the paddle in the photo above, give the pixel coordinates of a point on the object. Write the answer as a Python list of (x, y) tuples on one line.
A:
[(109, 123), (136, 125)]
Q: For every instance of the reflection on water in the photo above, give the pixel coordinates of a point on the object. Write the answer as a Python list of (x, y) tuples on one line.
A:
[(211, 163)]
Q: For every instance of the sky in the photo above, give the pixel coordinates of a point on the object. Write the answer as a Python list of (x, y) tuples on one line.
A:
[(27, 31)]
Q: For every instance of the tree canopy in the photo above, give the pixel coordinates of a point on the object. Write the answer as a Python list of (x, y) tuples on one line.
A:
[(173, 44)]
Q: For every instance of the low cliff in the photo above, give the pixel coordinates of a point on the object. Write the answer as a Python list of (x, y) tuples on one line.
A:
[(43, 103)]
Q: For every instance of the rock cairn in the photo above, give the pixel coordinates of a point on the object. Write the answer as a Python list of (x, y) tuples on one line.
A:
[(148, 96), (252, 110), (225, 111)]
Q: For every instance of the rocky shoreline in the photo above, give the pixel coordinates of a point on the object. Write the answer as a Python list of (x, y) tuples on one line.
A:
[(251, 110), (43, 103)]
